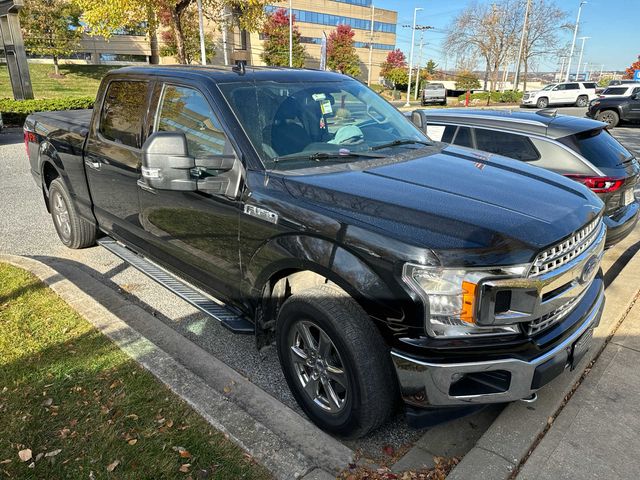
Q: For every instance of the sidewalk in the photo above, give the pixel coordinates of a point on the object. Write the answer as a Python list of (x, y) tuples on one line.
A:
[(597, 434)]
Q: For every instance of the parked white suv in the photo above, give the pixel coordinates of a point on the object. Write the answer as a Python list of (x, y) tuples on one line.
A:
[(565, 93), (618, 91)]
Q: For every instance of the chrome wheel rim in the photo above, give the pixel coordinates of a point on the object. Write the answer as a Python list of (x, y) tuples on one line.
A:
[(607, 118), (61, 216), (582, 102), (318, 366)]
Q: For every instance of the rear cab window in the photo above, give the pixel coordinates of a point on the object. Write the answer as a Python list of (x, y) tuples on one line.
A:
[(599, 147), (123, 112)]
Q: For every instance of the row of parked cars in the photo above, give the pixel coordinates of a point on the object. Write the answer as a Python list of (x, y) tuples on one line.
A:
[(389, 263)]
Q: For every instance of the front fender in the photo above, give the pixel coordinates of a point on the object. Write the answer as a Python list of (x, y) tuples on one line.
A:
[(322, 256)]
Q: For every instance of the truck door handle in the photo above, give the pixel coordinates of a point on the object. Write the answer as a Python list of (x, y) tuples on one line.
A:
[(142, 184), (93, 165)]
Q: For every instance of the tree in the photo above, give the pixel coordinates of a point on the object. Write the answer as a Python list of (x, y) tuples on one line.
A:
[(105, 16), (629, 72), (466, 80), (276, 43), (604, 81), (51, 28), (191, 32), (545, 22), (395, 58), (489, 31), (341, 53), (398, 76), (431, 67)]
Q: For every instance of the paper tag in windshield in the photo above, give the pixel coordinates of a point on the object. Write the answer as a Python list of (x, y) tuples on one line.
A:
[(318, 96), (435, 132), (325, 107)]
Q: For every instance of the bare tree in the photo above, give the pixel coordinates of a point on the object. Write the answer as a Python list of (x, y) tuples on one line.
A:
[(489, 31), (546, 21)]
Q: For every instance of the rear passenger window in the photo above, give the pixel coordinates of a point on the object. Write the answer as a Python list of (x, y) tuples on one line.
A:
[(507, 144), (572, 86), (123, 111), (184, 109), (449, 132), (463, 137)]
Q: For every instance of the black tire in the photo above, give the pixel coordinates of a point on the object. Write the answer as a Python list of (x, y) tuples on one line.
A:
[(543, 102), (582, 101), (73, 230), (610, 117), (444, 103), (371, 391)]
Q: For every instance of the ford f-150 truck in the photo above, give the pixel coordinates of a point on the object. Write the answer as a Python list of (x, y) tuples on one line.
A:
[(302, 208)]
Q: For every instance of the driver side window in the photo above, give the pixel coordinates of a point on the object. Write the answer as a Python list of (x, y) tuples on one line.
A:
[(183, 109)]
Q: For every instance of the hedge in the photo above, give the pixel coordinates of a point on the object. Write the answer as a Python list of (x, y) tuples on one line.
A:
[(508, 96), (14, 112)]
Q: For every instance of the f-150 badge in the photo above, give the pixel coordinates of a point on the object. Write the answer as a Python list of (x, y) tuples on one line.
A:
[(263, 214)]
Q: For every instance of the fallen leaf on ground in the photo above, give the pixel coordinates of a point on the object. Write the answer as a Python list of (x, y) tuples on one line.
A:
[(185, 467), (47, 402), (39, 456), (133, 441), (8, 460), (169, 424), (53, 453), (112, 466), (32, 465), (132, 416), (25, 455)]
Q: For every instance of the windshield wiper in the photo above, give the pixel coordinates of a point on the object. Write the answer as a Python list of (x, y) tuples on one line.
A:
[(400, 141), (320, 156)]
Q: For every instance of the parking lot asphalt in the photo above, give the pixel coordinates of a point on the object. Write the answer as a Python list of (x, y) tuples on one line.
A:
[(26, 229)]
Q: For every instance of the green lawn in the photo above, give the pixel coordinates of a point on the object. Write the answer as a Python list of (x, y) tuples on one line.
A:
[(75, 406), (78, 81)]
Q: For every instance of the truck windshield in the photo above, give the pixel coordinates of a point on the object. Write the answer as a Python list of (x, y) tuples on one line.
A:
[(297, 125)]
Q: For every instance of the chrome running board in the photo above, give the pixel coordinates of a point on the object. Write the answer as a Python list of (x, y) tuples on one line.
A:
[(200, 300)]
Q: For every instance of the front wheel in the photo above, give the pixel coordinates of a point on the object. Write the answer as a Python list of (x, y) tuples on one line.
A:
[(609, 117), (335, 362)]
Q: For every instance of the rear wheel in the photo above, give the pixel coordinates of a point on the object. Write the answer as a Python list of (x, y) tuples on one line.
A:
[(610, 117), (582, 101), (73, 230), (335, 362), (542, 102)]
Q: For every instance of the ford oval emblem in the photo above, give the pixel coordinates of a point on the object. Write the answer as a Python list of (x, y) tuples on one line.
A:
[(588, 270)]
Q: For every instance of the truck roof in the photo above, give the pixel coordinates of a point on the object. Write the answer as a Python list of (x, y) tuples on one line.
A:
[(227, 74)]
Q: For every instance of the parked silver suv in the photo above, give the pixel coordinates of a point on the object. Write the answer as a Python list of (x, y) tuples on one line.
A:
[(565, 93), (578, 148)]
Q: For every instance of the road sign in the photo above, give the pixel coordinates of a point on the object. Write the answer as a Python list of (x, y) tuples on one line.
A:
[(636, 75)]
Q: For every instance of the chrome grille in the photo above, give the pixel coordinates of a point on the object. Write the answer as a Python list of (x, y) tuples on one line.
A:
[(539, 324), (567, 250)]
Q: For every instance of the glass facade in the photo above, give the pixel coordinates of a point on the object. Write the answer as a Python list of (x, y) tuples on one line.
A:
[(318, 41), (362, 3), (333, 20)]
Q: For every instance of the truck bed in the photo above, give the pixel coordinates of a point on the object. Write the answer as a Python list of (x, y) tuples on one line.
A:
[(74, 121)]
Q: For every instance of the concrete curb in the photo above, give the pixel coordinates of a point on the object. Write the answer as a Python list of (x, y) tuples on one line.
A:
[(287, 444), (514, 434)]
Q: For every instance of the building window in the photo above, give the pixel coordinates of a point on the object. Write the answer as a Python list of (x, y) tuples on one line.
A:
[(362, 3), (306, 16), (318, 41), (122, 57)]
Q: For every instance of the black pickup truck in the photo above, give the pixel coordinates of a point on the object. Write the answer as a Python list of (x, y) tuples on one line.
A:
[(302, 208)]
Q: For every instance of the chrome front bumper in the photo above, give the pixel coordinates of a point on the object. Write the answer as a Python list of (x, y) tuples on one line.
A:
[(430, 384)]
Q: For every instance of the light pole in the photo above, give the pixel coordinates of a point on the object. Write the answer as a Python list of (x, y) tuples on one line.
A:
[(203, 50), (516, 79), (413, 39), (580, 58), (290, 35), (573, 43), (561, 69), (373, 16)]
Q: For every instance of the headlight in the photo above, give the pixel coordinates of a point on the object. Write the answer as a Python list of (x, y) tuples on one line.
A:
[(450, 298)]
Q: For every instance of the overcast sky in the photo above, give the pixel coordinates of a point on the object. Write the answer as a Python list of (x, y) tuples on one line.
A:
[(611, 24)]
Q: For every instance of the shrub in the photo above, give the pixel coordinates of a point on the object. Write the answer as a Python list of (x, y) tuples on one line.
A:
[(14, 112), (508, 96)]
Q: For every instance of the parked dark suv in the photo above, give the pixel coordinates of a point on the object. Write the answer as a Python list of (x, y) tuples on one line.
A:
[(612, 110), (577, 148)]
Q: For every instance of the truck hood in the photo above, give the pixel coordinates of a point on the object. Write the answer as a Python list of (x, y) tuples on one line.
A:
[(455, 198)]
